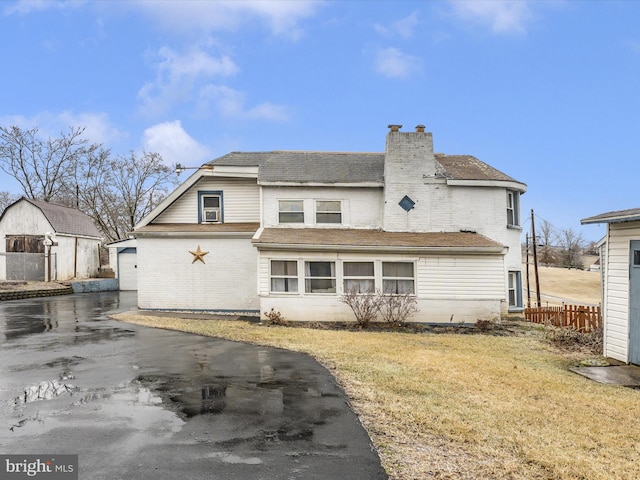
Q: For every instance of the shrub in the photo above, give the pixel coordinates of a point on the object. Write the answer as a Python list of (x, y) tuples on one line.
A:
[(275, 317), (572, 339), (395, 309), (365, 306)]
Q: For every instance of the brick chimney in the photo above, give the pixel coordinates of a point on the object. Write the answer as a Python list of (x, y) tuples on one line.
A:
[(409, 158)]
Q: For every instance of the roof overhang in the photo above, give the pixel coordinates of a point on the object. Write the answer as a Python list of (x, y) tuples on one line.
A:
[(520, 187), (618, 216), (198, 230), (370, 241), (319, 184)]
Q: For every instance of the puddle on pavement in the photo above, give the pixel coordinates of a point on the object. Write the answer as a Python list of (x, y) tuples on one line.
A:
[(130, 406)]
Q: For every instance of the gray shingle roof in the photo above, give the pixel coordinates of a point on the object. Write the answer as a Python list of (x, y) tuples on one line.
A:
[(467, 167), (617, 216), (347, 167), (341, 237), (66, 220)]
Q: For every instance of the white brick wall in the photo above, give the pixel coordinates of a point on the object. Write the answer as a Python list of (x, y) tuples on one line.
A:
[(361, 207), (167, 278)]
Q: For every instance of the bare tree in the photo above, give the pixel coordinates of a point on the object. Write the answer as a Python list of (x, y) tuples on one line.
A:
[(571, 246), (7, 199), (117, 192), (42, 167), (546, 239)]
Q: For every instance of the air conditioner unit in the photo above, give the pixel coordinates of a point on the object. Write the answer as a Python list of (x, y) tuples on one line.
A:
[(212, 215)]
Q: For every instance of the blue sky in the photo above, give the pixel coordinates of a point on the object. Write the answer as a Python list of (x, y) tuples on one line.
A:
[(546, 91)]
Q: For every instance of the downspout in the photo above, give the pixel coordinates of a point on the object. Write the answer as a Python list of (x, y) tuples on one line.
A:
[(75, 259)]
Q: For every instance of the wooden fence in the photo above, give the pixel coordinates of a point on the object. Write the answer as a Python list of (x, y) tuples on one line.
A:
[(582, 318)]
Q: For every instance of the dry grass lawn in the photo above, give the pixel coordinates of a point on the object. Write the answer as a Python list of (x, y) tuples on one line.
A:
[(579, 286), (453, 406)]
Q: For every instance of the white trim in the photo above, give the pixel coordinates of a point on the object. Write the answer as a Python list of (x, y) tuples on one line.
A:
[(520, 187)]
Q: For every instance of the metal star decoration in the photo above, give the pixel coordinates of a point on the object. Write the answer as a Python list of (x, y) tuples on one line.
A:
[(198, 255)]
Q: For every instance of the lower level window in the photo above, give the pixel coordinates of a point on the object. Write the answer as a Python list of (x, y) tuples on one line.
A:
[(515, 289), (358, 277), (320, 277), (284, 276), (398, 278)]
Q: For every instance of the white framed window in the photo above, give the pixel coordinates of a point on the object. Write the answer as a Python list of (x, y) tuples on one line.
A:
[(320, 277), (328, 211), (210, 207), (290, 211), (513, 208), (398, 278), (358, 277), (284, 276), (515, 290)]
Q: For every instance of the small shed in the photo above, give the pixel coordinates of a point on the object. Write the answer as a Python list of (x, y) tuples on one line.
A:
[(620, 267), (43, 241), (123, 260)]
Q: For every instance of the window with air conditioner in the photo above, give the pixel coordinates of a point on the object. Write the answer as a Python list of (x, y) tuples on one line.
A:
[(210, 208)]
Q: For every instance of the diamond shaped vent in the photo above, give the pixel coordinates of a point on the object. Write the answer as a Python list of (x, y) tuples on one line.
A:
[(407, 203)]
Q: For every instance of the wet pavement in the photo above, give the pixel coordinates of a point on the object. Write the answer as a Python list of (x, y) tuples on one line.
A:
[(141, 403), (623, 375)]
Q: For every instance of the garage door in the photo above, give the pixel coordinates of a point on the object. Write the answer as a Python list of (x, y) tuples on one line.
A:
[(127, 269)]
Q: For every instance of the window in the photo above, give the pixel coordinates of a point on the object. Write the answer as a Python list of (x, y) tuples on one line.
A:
[(210, 207), (636, 258), (290, 211), (320, 277), (328, 211), (397, 278), (515, 289), (284, 276), (513, 208), (358, 277)]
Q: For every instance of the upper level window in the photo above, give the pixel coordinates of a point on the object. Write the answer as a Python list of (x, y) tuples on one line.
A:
[(328, 211), (397, 278), (290, 211), (210, 207), (358, 277), (513, 208)]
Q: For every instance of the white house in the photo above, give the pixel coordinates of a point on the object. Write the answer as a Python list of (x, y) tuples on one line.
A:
[(44, 241), (620, 267), (292, 230)]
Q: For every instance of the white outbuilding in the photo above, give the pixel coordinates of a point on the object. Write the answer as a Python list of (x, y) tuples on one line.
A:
[(123, 260), (42, 241), (620, 266)]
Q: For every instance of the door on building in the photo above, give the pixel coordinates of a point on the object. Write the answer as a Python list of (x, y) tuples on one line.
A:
[(128, 269), (634, 303)]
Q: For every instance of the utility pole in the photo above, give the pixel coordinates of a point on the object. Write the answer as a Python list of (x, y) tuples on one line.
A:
[(528, 287), (535, 258)]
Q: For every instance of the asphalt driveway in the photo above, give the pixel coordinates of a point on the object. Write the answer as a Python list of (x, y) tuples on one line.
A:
[(141, 403)]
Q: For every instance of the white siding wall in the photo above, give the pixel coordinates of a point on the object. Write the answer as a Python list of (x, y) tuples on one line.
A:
[(76, 259), (361, 207), (454, 288), (167, 278), (616, 284), (241, 201)]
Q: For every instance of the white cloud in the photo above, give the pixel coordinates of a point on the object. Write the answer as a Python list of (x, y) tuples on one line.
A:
[(282, 17), (403, 28), (175, 145), (180, 76), (391, 62), (232, 103), (98, 128), (501, 16), (24, 7)]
